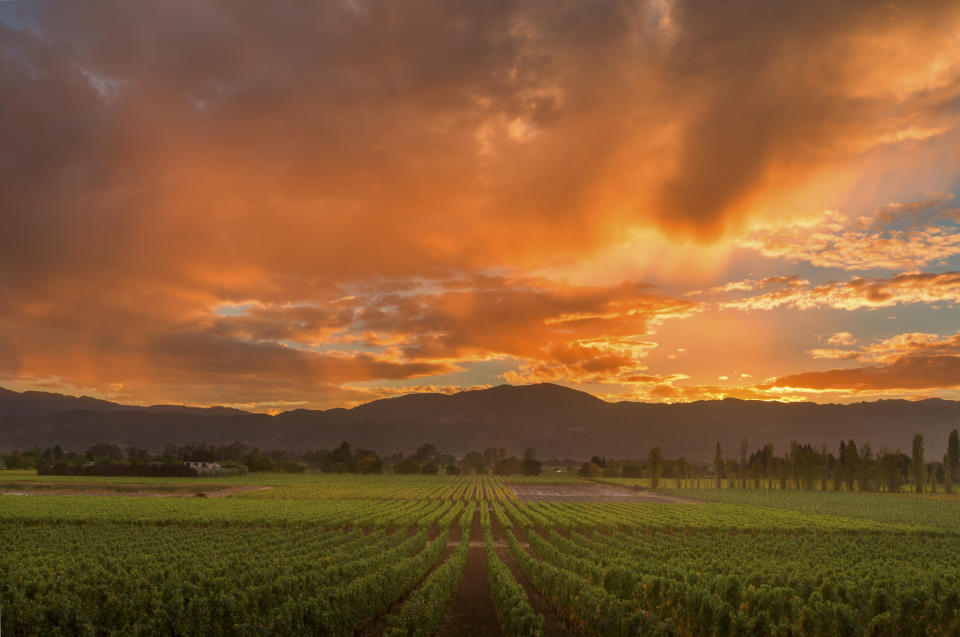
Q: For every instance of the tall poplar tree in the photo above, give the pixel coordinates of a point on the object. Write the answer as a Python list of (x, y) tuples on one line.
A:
[(824, 467), (718, 464), (918, 466), (655, 466), (952, 461), (743, 463)]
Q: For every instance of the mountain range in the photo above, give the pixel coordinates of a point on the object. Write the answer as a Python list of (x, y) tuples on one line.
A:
[(557, 421)]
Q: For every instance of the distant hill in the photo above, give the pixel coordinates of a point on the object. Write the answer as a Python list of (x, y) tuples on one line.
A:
[(557, 421), (39, 403)]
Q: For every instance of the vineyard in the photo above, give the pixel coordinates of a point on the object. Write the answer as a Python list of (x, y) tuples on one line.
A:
[(424, 555)]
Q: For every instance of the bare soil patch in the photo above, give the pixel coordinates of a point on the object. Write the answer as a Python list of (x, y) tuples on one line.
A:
[(472, 613), (128, 490), (589, 492)]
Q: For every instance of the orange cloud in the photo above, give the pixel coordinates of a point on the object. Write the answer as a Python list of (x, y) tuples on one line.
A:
[(753, 284), (842, 338), (889, 350), (380, 332), (836, 241), (230, 200), (857, 293), (909, 361)]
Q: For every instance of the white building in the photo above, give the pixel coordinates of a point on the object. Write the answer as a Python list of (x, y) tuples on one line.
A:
[(202, 466)]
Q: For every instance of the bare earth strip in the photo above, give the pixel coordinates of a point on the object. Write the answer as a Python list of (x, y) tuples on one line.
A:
[(472, 613), (589, 492), (145, 493), (553, 624)]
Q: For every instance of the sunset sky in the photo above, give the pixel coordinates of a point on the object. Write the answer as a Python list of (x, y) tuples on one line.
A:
[(283, 204)]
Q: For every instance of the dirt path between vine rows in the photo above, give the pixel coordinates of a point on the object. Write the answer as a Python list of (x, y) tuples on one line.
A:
[(553, 625), (380, 626), (472, 613)]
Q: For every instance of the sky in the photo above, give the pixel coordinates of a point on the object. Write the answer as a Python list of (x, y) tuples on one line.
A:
[(286, 204)]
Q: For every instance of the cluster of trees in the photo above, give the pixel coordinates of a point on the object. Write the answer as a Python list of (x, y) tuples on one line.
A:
[(803, 466), (428, 460), (852, 468), (343, 459), (655, 467), (104, 455), (149, 470)]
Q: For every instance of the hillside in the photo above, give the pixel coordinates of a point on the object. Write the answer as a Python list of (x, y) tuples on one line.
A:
[(555, 420)]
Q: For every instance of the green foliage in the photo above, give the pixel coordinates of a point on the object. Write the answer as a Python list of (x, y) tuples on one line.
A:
[(952, 460), (883, 508), (530, 466), (422, 614), (718, 580), (407, 466), (917, 467), (655, 466), (331, 554), (109, 578), (590, 470), (516, 616)]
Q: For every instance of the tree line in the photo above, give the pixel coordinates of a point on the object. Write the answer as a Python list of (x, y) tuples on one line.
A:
[(105, 458), (802, 466)]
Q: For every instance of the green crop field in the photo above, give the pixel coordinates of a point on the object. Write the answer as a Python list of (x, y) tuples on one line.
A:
[(410, 555)]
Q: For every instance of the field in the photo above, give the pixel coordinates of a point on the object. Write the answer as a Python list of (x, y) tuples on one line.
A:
[(451, 555)]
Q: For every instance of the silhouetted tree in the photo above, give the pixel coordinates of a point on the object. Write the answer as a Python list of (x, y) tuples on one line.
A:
[(838, 467), (932, 472), (865, 468), (917, 466), (824, 467), (316, 459), (888, 469), (426, 453), (105, 451), (682, 471), (507, 467), (408, 466), (768, 463), (343, 453), (475, 462), (590, 470), (655, 466), (850, 462), (530, 465), (718, 465), (365, 461), (743, 463), (135, 455), (56, 454), (493, 454), (947, 478), (952, 461)]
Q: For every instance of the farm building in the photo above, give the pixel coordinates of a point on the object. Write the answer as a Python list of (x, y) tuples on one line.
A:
[(202, 466)]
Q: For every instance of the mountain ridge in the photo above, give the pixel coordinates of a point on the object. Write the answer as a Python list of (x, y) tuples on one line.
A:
[(558, 421)]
